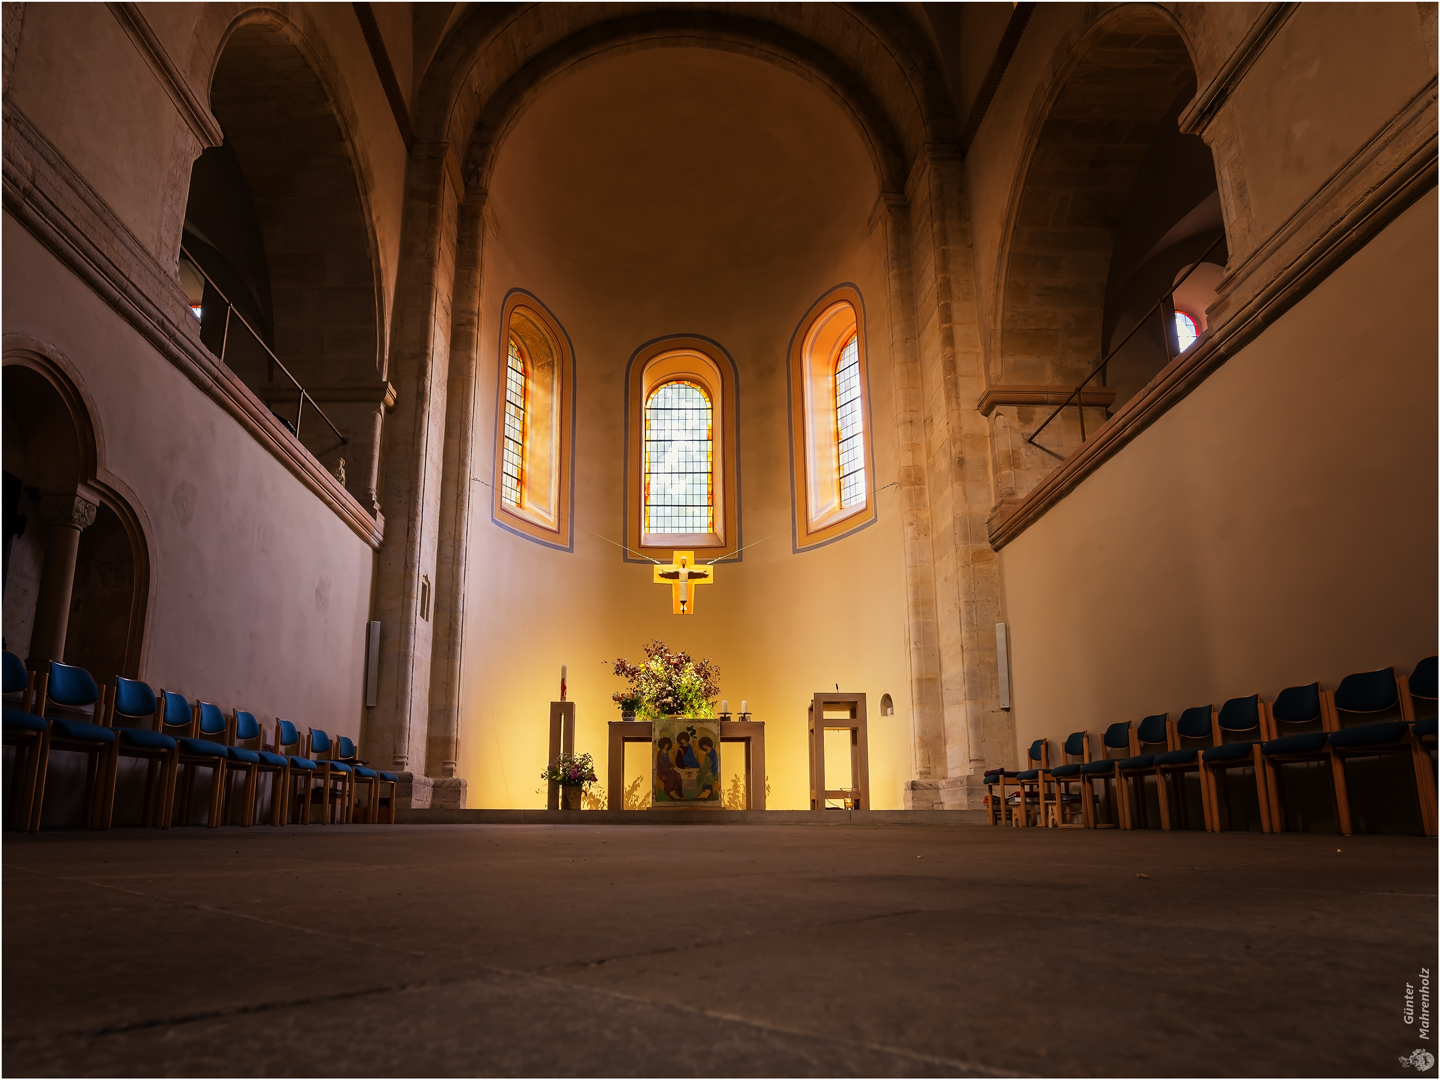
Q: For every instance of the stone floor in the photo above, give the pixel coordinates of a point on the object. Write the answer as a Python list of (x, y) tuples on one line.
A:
[(891, 950)]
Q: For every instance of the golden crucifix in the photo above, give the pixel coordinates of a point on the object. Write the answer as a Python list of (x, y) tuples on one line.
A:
[(682, 575)]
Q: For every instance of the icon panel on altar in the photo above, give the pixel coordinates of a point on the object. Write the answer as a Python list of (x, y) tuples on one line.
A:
[(685, 757)]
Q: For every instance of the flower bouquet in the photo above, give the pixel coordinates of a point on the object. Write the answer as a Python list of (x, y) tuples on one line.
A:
[(571, 771), (668, 683)]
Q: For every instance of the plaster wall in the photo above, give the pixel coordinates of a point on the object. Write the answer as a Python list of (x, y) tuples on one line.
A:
[(742, 196), (1275, 527), (259, 592)]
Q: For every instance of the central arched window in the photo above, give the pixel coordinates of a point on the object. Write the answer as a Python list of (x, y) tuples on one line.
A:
[(679, 459), (682, 466), (831, 457)]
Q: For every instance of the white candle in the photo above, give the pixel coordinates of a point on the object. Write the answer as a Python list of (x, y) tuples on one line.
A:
[(724, 706), (744, 706), (563, 669)]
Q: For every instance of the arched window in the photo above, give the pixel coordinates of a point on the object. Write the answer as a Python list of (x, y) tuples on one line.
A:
[(679, 452), (830, 421), (849, 425), (513, 452), (534, 425), (1185, 330), (681, 479)]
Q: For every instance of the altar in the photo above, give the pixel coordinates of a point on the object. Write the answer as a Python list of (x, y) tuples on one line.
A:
[(749, 732)]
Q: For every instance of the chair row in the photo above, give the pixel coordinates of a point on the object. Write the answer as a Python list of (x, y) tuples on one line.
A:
[(177, 739), (1303, 724)]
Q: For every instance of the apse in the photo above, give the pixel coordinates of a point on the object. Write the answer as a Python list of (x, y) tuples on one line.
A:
[(700, 208)]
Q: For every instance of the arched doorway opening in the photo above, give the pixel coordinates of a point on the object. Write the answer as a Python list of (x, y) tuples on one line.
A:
[(1115, 204), (280, 255), (76, 568)]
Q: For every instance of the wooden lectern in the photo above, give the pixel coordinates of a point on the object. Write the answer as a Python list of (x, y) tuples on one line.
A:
[(562, 741), (839, 712)]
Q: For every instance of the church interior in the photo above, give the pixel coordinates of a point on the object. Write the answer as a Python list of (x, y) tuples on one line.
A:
[(877, 539)]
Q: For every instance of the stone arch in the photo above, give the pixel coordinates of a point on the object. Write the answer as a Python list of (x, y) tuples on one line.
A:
[(277, 100), (493, 66), (58, 450), (1090, 126)]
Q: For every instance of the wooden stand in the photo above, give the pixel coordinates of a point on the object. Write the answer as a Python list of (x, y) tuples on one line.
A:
[(749, 732), (852, 706), (562, 741)]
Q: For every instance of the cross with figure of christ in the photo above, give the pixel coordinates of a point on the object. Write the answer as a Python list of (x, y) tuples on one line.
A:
[(682, 575)]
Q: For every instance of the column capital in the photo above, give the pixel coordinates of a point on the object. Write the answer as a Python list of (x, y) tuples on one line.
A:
[(69, 510)]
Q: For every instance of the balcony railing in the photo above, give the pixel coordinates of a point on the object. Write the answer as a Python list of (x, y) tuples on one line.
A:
[(236, 323), (1166, 332)]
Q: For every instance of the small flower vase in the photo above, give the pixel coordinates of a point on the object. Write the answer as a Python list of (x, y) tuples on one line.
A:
[(569, 797), (627, 716)]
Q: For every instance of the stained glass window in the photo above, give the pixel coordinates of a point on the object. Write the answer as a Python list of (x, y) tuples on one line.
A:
[(514, 449), (1185, 331), (679, 446), (849, 424)]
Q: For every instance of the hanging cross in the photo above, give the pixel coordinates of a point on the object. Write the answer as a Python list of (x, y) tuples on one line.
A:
[(682, 575)]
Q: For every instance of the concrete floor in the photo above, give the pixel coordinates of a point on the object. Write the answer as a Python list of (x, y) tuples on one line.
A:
[(733, 950)]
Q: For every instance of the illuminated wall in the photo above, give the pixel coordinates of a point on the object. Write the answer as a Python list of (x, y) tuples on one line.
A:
[(734, 196)]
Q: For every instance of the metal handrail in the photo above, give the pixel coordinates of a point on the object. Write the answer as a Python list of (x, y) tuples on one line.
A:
[(1123, 342), (225, 339)]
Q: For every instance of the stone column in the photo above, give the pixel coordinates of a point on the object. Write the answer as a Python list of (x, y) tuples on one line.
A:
[(395, 729), (977, 730), (64, 517), (927, 718), (457, 493)]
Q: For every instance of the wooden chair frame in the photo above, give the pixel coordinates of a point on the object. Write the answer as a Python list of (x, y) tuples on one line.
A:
[(1273, 761), (1056, 818), (1133, 779), (1111, 779), (299, 780), (337, 786), (95, 783), (1219, 806), (27, 743), (1165, 772), (160, 767), (188, 762), (250, 793)]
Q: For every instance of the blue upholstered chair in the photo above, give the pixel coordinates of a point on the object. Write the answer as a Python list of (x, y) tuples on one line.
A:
[(995, 801), (1065, 781), (373, 809), (303, 771), (1368, 695), (1419, 690), (1004, 779), (1195, 725), (199, 734), (270, 763), (134, 714), (1031, 790), (25, 731), (336, 787), (1295, 708), (1245, 719), (242, 727), (1152, 737), (71, 688), (1116, 745)]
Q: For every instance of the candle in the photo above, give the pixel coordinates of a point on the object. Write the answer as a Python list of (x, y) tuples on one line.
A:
[(744, 707), (563, 670), (724, 706)]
